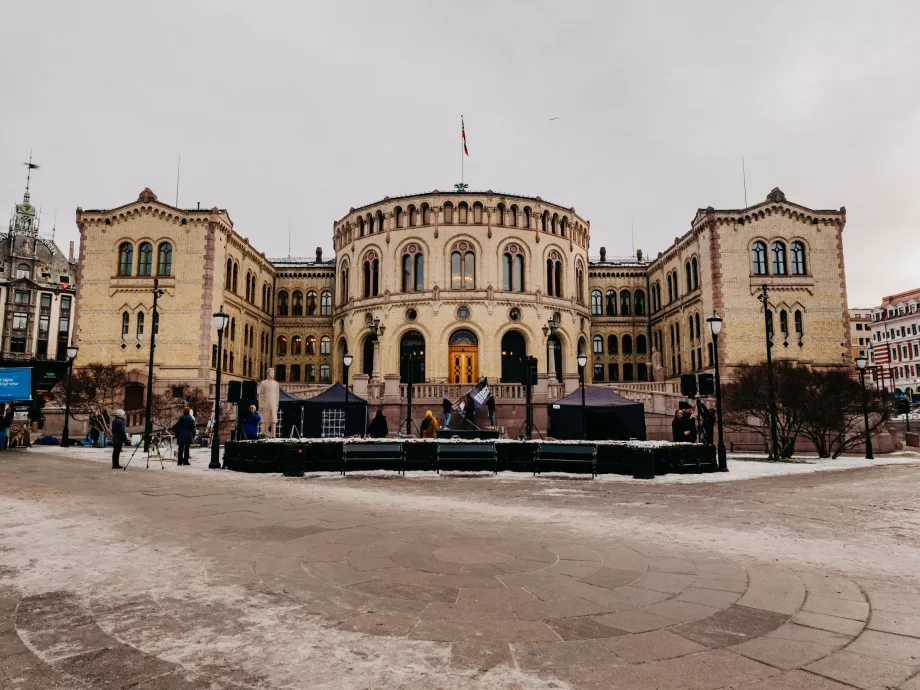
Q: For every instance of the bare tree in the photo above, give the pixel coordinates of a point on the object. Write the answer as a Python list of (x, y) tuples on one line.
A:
[(166, 407), (97, 391), (747, 402)]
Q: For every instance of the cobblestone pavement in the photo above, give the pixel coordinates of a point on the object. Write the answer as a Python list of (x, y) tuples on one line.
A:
[(178, 579)]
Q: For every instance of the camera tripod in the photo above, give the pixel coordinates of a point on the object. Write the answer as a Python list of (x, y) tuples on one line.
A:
[(160, 445)]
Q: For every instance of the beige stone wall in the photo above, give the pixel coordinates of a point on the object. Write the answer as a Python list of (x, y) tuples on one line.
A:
[(617, 277), (317, 326), (435, 226)]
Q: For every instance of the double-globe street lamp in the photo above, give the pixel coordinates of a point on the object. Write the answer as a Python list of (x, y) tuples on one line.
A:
[(715, 327), (220, 323), (861, 365), (582, 363), (71, 356)]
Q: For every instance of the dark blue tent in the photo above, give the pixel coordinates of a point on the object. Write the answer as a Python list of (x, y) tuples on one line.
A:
[(307, 415), (608, 416)]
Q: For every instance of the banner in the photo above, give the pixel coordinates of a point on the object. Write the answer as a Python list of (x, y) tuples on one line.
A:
[(478, 394), (15, 384)]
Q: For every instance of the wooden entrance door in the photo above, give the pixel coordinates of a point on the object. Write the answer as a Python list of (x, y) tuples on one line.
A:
[(463, 363)]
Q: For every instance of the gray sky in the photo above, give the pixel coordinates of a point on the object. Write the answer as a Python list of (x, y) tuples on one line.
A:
[(291, 113)]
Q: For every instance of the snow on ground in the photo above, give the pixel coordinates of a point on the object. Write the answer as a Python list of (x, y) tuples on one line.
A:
[(740, 467)]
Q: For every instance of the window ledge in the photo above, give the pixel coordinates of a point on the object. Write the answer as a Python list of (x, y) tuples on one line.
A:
[(787, 281)]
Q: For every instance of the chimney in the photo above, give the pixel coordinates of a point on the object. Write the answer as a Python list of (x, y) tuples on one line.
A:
[(319, 254), (603, 253), (639, 254), (71, 252)]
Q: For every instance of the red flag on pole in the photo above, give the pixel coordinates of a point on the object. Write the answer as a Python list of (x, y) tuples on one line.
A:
[(463, 134)]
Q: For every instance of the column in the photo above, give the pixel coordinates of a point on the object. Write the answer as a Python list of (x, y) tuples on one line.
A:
[(375, 364), (550, 360)]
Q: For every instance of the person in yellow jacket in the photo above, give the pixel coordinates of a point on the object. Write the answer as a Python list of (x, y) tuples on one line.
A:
[(429, 427)]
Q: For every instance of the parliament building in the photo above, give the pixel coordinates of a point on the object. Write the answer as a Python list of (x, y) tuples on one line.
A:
[(450, 287)]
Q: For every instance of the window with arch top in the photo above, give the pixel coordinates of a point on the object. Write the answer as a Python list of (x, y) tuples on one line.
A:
[(296, 345), (283, 303), (597, 304), (627, 343), (164, 259), (371, 274), (325, 303), (580, 283), (778, 258), (639, 301), (282, 346), (462, 267), (689, 273), (413, 269), (145, 259), (554, 275), (513, 269), (625, 305), (311, 303), (125, 258), (125, 324), (695, 268), (297, 303), (612, 345), (798, 258), (759, 258), (598, 345), (611, 299), (641, 345)]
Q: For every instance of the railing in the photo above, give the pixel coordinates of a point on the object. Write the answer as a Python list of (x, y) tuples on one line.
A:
[(649, 386)]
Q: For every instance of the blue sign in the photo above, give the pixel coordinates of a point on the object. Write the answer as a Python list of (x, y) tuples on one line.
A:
[(15, 384)]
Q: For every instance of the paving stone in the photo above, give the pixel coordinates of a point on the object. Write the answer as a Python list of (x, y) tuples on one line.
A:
[(339, 574), (723, 584), (326, 552), (378, 624), (490, 631), (899, 623), (798, 680), (520, 566), (575, 568), (832, 586), (861, 671), (550, 656), (734, 625), (672, 583), (717, 569), (173, 681), (583, 628), (784, 654), (708, 597), (912, 684), (635, 621), (114, 668), (364, 563), (842, 608), (844, 626), (772, 588), (651, 646), (480, 656), (611, 579), (882, 645), (672, 565), (801, 633), (681, 611), (459, 612), (637, 596), (574, 552), (622, 558), (560, 608)]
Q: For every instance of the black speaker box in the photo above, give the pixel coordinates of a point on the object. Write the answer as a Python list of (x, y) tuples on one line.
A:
[(707, 385), (234, 389), (250, 391), (688, 385)]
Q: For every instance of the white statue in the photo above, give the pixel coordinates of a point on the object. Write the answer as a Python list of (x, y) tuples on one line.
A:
[(269, 392), (657, 369)]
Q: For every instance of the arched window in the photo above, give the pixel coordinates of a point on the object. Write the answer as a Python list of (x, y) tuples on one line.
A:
[(598, 345), (676, 285), (398, 217), (125, 258), (612, 345), (140, 325), (798, 259), (597, 304), (611, 303), (413, 269), (360, 227), (413, 216), (513, 269), (699, 333), (477, 213), (236, 271), (283, 303), (281, 373), (513, 349), (799, 326), (689, 277), (544, 221), (641, 345), (759, 258), (228, 278), (783, 322), (513, 211), (778, 256), (296, 345), (554, 224), (426, 214), (311, 303), (371, 274), (125, 324), (625, 303), (554, 275), (344, 289), (500, 214), (694, 266), (145, 259), (297, 303), (164, 259), (562, 226), (580, 284), (462, 268), (528, 220), (325, 343), (448, 213), (311, 345), (282, 346), (379, 221), (627, 372), (462, 212), (690, 326), (325, 303), (626, 342), (248, 284), (639, 300), (670, 290)]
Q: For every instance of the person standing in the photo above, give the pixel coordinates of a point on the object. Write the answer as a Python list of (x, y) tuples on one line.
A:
[(4, 430), (378, 427), (448, 411), (251, 423), (490, 406), (469, 411), (184, 429), (429, 427), (119, 437)]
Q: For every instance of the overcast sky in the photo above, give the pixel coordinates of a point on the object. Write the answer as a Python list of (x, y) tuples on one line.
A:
[(288, 114)]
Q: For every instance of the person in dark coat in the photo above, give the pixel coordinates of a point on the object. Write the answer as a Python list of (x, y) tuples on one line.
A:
[(94, 424), (251, 423), (378, 427), (708, 424), (119, 437), (448, 408), (469, 411), (686, 424), (184, 429), (490, 406)]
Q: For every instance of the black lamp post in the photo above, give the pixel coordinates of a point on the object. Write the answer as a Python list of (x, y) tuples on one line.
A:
[(411, 360), (861, 365), (715, 327), (71, 356), (148, 421), (582, 363), (220, 323), (768, 329), (347, 359)]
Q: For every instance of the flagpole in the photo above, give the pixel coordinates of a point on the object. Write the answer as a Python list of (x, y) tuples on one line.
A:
[(462, 180)]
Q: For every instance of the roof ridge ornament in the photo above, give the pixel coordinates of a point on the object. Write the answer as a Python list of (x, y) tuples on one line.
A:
[(147, 195), (776, 194)]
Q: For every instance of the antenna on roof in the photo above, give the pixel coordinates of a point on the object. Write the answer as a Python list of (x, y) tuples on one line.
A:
[(289, 239), (632, 232), (744, 180), (178, 168), (54, 225)]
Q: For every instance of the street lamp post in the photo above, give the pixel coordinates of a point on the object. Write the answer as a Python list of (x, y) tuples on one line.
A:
[(861, 365), (768, 329), (347, 359), (411, 359), (582, 363), (71, 356), (715, 327), (148, 421), (220, 323)]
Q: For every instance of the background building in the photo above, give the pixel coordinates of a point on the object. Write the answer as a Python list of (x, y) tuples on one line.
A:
[(896, 342), (468, 283), (861, 334)]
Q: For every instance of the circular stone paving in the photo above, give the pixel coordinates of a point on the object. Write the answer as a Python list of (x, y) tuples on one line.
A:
[(472, 555)]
